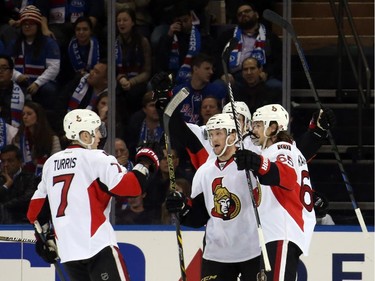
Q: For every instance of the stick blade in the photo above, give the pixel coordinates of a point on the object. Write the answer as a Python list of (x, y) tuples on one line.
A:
[(275, 18), (175, 101)]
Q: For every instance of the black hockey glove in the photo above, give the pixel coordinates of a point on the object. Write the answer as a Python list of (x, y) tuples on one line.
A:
[(46, 250), (321, 204), (321, 121), (177, 202), (247, 160), (162, 84), (147, 157)]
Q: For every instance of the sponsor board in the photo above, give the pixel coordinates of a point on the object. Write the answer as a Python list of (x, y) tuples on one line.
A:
[(151, 254)]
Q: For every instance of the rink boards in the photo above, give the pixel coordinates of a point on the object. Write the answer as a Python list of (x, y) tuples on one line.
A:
[(337, 253)]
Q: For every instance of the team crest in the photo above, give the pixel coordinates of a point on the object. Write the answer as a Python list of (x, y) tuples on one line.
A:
[(226, 205)]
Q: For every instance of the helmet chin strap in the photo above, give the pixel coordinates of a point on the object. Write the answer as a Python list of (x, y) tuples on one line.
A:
[(226, 145), (88, 146)]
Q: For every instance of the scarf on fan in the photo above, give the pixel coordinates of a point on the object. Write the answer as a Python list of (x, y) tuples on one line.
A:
[(184, 72), (258, 51), (26, 146), (3, 133), (16, 105), (76, 58), (132, 63)]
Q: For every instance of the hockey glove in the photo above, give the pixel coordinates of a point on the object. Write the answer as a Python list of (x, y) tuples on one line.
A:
[(46, 250), (162, 84), (248, 160), (321, 121), (147, 157), (321, 204), (177, 202)]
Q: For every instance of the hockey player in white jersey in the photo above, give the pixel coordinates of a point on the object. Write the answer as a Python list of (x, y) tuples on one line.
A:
[(221, 200), (286, 206), (79, 183)]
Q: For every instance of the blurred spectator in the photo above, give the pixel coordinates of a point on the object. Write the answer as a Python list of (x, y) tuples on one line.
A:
[(231, 8), (12, 98), (251, 88), (163, 15), (134, 212), (88, 89), (102, 107), (158, 184), (35, 138), (58, 16), (210, 106), (16, 186), (83, 50), (142, 11), (254, 40), (122, 154), (37, 60), (144, 126), (133, 59), (9, 19), (182, 185), (183, 41), (199, 87)]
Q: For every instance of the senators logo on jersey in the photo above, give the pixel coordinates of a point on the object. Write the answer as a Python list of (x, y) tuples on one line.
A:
[(226, 205)]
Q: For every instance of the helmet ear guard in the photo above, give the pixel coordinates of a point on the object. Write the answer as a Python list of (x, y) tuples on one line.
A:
[(80, 120)]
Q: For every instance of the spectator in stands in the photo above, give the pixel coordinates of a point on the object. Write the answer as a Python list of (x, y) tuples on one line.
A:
[(16, 186), (144, 126), (134, 212), (210, 106), (9, 19), (142, 11), (163, 15), (37, 60), (158, 184), (90, 87), (133, 59), (181, 43), (122, 154), (253, 40), (251, 87), (12, 97), (35, 138), (58, 16), (199, 87), (83, 50)]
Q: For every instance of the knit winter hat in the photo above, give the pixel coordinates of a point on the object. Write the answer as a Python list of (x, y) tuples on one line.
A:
[(31, 13)]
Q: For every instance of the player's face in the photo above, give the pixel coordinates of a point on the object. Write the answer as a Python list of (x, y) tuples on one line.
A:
[(97, 138), (259, 136)]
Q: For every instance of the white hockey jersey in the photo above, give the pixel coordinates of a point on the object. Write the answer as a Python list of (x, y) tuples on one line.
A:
[(287, 212), (231, 231), (80, 208)]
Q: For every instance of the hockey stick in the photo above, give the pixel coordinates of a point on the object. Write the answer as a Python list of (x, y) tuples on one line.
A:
[(224, 60), (16, 239), (278, 20), (172, 105), (39, 230)]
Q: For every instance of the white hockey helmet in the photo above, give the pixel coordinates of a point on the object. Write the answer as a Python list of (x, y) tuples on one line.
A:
[(272, 112), (79, 120), (222, 121), (242, 109)]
